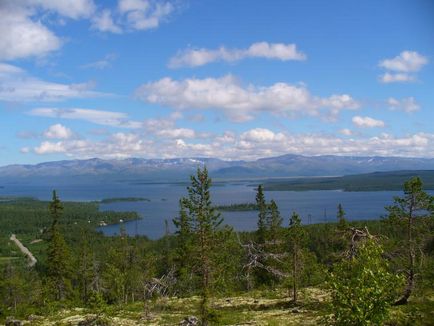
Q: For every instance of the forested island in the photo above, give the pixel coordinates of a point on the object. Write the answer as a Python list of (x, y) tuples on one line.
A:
[(123, 199), (342, 273), (238, 207), (378, 181)]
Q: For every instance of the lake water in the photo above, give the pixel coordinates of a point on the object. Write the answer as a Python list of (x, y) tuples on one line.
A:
[(313, 206)]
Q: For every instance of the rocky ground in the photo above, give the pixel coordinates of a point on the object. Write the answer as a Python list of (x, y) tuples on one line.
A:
[(271, 308)]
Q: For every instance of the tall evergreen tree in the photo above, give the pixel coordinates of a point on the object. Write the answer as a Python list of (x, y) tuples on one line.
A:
[(58, 260), (184, 249), (205, 222), (274, 222), (262, 215), (342, 221), (406, 211), (297, 238)]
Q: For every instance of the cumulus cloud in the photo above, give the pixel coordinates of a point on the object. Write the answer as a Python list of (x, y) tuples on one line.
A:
[(367, 122), (177, 133), (396, 77), (106, 118), (406, 61), (200, 57), (403, 67), (16, 85), (24, 34), (407, 104), (58, 131), (251, 144), (103, 22), (47, 147), (147, 14), (21, 36), (241, 103), (258, 135)]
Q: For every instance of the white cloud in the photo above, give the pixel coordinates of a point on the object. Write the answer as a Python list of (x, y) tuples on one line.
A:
[(367, 122), (406, 61), (22, 37), (261, 135), (403, 67), (74, 9), (47, 147), (251, 144), (346, 132), (200, 57), (241, 103), (58, 131), (24, 33), (104, 63), (106, 118), (177, 133), (398, 77), (103, 21), (17, 86), (407, 104)]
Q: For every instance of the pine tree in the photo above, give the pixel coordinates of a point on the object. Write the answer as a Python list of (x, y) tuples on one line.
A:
[(342, 221), (205, 221), (58, 260), (406, 211), (262, 216), (297, 238)]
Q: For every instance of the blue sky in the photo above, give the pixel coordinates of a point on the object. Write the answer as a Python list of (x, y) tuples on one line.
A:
[(229, 79)]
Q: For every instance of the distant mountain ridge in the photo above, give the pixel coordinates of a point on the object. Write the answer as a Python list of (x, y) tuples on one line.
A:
[(178, 169)]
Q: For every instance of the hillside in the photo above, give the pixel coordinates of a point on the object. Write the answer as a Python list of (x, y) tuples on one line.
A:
[(145, 170), (377, 181)]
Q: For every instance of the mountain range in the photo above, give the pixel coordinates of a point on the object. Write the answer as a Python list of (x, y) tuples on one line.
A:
[(178, 169)]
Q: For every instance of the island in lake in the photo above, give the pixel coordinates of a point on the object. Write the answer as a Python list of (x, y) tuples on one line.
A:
[(123, 199)]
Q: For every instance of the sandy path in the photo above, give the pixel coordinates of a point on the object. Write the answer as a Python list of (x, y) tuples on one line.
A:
[(24, 250)]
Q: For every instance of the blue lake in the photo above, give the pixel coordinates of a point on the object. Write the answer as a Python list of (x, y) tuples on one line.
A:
[(313, 206)]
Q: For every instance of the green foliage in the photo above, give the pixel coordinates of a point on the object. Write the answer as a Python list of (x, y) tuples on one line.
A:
[(405, 213), (58, 260), (377, 181), (244, 207), (274, 222), (262, 215), (362, 288), (203, 221), (342, 221)]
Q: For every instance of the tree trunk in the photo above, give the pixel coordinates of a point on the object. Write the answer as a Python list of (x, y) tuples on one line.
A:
[(411, 257), (294, 275)]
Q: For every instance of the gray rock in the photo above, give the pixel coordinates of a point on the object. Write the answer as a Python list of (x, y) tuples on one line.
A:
[(190, 321), (13, 322)]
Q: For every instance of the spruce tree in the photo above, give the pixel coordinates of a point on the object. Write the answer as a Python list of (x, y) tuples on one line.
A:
[(274, 223), (58, 256), (342, 221), (262, 216)]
